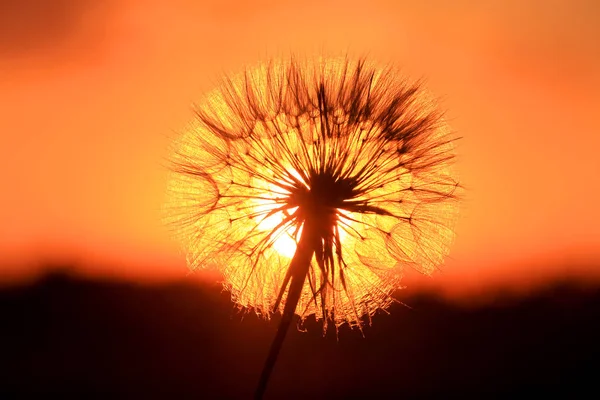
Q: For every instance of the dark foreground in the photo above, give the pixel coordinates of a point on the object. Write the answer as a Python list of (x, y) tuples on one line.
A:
[(80, 339)]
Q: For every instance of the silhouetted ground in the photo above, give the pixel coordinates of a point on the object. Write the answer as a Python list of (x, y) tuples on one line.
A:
[(98, 339)]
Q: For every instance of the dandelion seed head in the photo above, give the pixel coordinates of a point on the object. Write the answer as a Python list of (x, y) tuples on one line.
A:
[(361, 151)]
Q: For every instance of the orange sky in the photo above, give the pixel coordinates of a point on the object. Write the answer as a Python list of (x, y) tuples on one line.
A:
[(91, 96)]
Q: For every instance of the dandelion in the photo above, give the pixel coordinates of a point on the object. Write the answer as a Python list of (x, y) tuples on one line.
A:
[(312, 186)]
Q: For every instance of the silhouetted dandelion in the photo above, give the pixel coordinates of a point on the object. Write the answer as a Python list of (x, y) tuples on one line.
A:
[(312, 186)]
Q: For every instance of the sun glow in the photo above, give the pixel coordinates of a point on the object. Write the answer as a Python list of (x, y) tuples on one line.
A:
[(344, 138)]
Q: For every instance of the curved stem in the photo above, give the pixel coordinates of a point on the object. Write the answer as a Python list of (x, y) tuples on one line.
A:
[(297, 272)]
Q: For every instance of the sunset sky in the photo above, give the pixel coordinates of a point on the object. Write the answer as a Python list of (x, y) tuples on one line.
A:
[(93, 93)]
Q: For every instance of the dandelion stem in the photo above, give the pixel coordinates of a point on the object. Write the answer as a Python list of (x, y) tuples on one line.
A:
[(298, 269)]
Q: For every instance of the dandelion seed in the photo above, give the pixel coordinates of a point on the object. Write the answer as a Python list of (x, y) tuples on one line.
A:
[(312, 186)]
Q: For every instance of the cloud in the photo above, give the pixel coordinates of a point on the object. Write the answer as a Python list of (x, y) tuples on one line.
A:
[(34, 29)]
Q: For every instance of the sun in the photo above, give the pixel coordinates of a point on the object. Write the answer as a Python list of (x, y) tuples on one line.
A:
[(271, 218), (284, 240)]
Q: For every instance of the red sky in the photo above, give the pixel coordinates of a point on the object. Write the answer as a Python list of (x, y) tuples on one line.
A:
[(91, 96)]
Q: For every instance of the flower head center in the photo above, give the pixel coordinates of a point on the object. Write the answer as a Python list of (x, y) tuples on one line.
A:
[(321, 199)]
